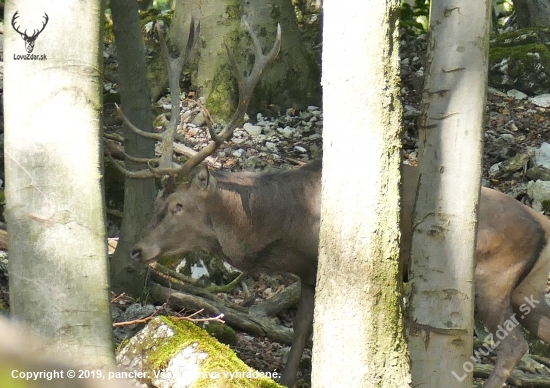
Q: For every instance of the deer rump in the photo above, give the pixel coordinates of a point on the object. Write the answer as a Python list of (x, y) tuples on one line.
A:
[(271, 221)]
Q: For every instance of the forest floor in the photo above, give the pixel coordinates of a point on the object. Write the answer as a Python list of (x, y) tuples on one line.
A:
[(284, 139)]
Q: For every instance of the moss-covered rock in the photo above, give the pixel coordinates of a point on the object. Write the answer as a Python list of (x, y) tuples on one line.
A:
[(169, 350), (521, 60)]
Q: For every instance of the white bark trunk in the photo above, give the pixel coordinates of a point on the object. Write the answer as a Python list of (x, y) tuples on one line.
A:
[(58, 253), (358, 330), (444, 238)]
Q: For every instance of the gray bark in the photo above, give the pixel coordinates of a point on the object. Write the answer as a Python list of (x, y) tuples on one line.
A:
[(55, 209), (358, 338), (139, 194), (444, 236)]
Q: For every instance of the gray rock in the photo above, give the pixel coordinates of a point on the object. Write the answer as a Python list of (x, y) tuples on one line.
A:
[(286, 131), (539, 192), (199, 120), (271, 146), (517, 190), (494, 170), (516, 94), (238, 153), (542, 100), (542, 155), (253, 130)]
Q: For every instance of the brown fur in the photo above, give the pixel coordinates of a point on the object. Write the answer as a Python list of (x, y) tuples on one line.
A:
[(512, 263), (271, 221)]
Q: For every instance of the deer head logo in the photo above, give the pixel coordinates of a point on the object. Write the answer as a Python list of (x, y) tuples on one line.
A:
[(29, 40)]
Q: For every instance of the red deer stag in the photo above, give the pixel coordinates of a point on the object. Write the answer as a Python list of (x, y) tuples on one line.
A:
[(271, 221)]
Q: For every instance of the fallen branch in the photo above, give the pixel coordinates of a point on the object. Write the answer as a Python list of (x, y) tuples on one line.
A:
[(279, 302), (517, 378), (189, 318), (165, 280), (234, 317)]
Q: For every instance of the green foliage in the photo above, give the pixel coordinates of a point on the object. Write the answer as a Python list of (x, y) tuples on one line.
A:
[(163, 5), (502, 13), (415, 19)]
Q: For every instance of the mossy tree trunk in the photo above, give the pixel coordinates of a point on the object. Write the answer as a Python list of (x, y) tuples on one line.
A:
[(58, 263), (139, 194), (358, 336), (292, 80)]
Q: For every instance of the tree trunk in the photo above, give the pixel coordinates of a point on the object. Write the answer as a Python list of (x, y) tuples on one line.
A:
[(444, 237), (292, 80), (532, 13), (58, 249), (358, 330), (139, 194)]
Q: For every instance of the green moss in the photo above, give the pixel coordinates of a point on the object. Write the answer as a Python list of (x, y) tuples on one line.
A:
[(523, 53), (223, 333), (275, 12), (4, 309), (170, 261), (154, 15), (157, 75), (545, 205), (220, 103), (234, 10), (221, 358), (533, 35), (525, 67), (108, 34)]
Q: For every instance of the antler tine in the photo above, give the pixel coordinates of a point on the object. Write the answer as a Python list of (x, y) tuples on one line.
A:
[(175, 67), (151, 172), (148, 135), (247, 84), (140, 174), (165, 164), (194, 32), (246, 87)]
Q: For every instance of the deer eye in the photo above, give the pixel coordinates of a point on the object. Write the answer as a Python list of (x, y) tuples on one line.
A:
[(178, 207)]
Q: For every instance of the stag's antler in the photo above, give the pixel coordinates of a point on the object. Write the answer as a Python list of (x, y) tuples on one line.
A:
[(246, 86), (164, 165)]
